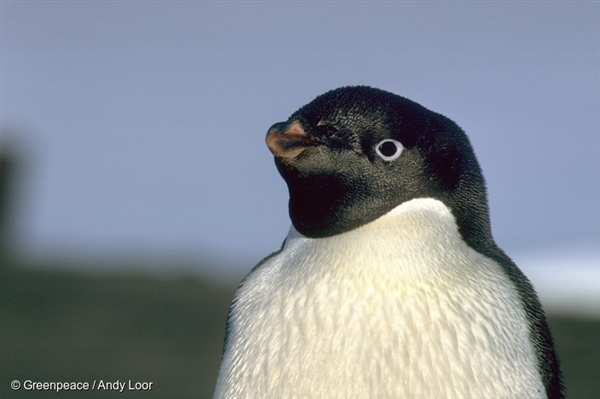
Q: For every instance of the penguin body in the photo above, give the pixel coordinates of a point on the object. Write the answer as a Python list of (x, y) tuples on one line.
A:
[(389, 284)]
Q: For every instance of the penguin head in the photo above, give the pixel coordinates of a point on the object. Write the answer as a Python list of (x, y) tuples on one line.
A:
[(355, 153)]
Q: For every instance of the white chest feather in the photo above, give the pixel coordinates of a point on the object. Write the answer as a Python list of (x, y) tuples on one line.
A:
[(398, 308)]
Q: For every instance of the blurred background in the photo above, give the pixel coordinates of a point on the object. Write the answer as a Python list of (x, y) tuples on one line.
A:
[(136, 189)]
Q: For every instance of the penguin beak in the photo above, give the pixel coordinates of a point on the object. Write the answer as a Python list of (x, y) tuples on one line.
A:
[(288, 140)]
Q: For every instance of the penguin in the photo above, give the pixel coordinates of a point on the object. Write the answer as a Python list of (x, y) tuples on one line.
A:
[(389, 283)]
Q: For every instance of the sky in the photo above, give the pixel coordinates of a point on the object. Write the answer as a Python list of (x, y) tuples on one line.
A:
[(140, 125)]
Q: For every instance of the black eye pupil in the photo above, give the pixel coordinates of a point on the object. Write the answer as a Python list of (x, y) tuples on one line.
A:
[(388, 148)]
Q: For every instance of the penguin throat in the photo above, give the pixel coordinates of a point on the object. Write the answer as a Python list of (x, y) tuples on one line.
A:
[(318, 212)]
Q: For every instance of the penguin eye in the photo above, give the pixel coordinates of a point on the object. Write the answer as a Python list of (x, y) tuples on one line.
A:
[(389, 149)]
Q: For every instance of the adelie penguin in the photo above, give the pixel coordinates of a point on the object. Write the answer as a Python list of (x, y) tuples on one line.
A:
[(389, 283)]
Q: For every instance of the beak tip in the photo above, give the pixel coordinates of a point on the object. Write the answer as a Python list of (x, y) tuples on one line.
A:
[(287, 140)]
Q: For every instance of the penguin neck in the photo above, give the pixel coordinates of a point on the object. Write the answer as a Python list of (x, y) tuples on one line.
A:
[(407, 231), (417, 206)]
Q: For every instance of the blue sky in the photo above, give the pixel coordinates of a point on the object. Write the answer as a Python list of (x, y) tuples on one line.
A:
[(142, 123)]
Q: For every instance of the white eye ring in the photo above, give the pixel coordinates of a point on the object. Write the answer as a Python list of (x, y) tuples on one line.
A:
[(389, 149)]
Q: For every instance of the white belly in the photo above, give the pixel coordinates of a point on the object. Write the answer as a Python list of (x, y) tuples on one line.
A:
[(398, 308)]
